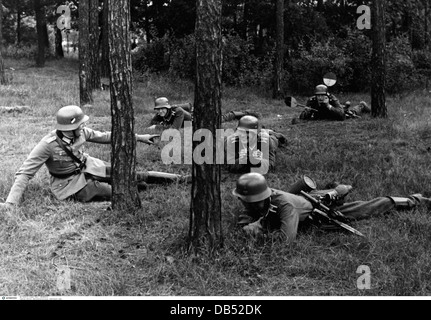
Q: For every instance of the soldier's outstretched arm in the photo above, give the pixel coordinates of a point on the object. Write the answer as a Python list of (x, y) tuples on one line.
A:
[(38, 156)]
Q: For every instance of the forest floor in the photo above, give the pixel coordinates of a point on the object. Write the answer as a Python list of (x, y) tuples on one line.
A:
[(143, 254)]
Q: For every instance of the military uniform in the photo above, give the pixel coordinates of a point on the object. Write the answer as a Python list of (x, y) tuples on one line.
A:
[(336, 112), (266, 143), (286, 211), (66, 177)]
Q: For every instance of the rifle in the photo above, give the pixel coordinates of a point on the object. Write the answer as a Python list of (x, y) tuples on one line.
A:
[(292, 103), (331, 215)]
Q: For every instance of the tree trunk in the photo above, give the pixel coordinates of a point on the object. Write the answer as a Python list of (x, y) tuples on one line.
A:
[(105, 42), (59, 53), (279, 54), (246, 19), (40, 25), (378, 77), (3, 79), (124, 186), (426, 42), (18, 25), (93, 53), (85, 94), (205, 209)]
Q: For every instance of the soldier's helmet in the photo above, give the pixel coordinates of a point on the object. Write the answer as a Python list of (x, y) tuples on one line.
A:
[(252, 187), (161, 102), (321, 89), (247, 123), (69, 118)]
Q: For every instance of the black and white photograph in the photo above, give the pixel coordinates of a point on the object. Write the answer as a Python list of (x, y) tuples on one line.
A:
[(215, 154)]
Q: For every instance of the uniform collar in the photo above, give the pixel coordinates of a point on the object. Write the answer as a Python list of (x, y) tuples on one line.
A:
[(65, 139)]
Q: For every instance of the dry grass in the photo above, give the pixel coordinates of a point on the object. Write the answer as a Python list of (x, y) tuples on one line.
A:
[(143, 254)]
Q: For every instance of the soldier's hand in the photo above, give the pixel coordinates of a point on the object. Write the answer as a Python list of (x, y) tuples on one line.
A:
[(258, 155), (254, 229), (243, 153), (6, 206), (148, 138)]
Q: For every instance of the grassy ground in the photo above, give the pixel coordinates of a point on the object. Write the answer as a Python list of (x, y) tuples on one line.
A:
[(142, 254)]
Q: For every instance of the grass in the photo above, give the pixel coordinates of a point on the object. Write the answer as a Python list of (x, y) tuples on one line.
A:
[(143, 254)]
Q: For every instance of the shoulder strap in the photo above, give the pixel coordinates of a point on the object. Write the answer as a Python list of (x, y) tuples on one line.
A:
[(69, 152)]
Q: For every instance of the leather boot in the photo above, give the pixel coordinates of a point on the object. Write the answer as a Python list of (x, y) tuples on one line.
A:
[(411, 201)]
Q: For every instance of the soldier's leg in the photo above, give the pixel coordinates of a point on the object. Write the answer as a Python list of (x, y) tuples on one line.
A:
[(381, 205), (94, 191), (155, 177)]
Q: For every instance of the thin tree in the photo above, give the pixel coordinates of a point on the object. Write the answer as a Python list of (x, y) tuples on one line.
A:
[(85, 93), (124, 187), (39, 10), (279, 54), (3, 79), (104, 42), (205, 210), (378, 76), (93, 52)]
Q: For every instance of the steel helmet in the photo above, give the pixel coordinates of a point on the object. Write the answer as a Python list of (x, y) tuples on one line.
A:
[(69, 118), (252, 187), (161, 102), (321, 89), (248, 123)]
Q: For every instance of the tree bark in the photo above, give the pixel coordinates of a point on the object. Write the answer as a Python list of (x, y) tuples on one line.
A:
[(378, 77), (18, 24), (40, 25), (85, 94), (59, 53), (105, 42), (124, 186), (3, 79), (93, 53), (205, 210), (279, 54)]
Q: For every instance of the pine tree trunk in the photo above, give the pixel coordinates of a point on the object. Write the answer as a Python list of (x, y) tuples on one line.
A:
[(93, 53), (279, 54), (18, 25), (3, 79), (124, 187), (378, 77), (59, 53), (105, 42), (205, 210), (40, 25), (85, 94)]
